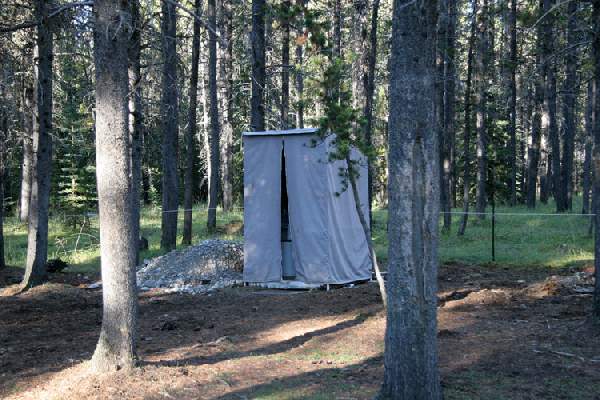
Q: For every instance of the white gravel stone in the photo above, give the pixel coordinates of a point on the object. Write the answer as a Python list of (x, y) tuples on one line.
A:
[(212, 264)]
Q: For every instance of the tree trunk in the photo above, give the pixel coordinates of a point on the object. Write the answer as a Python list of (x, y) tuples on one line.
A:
[(410, 358), (352, 176), (285, 64), (226, 77), (589, 141), (569, 103), (118, 245), (37, 240), (146, 172), (257, 112), (27, 165), (596, 151), (337, 30), (213, 179), (549, 123), (370, 93), (440, 87), (299, 66), (533, 152), (170, 128), (467, 131), (3, 139), (512, 103), (136, 123), (360, 50), (481, 111), (449, 112), (190, 134)]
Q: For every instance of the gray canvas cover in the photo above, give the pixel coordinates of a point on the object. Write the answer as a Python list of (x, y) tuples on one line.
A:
[(328, 243), (262, 208)]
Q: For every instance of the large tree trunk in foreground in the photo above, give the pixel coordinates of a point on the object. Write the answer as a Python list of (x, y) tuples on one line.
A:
[(136, 124), (596, 153), (257, 102), (467, 131), (170, 140), (26, 170), (213, 179), (118, 245), (410, 359), (37, 240), (190, 134)]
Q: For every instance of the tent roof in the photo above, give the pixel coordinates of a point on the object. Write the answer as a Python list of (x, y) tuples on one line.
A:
[(302, 131)]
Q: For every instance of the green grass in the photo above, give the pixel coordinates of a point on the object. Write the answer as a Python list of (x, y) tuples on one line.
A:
[(521, 240), (80, 247)]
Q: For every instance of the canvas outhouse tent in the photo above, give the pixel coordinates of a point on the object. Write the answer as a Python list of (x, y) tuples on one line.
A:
[(299, 223)]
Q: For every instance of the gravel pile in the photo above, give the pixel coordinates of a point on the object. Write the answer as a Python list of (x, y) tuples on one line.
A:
[(212, 264)]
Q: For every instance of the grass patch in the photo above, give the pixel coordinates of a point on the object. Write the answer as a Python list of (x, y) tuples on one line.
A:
[(79, 246), (521, 240)]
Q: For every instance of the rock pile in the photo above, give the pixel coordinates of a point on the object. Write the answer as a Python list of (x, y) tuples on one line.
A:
[(212, 264)]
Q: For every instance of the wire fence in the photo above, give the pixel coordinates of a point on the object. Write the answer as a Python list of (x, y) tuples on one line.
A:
[(520, 238), (504, 236)]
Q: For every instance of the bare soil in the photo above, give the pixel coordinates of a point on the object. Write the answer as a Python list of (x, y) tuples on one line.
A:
[(503, 334)]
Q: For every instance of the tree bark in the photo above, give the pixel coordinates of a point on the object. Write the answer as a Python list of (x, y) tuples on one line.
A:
[(116, 348), (596, 151), (213, 179), (3, 139), (448, 166), (440, 88), (549, 124), (170, 128), (569, 103), (360, 49), (352, 176), (26, 170), (481, 121), (37, 240), (285, 64), (337, 30), (226, 77), (589, 142), (512, 106), (370, 93), (533, 152), (299, 69), (190, 134), (410, 358), (257, 112), (467, 132), (136, 122)]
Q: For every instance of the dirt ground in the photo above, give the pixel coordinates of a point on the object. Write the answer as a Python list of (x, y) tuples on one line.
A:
[(504, 334)]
